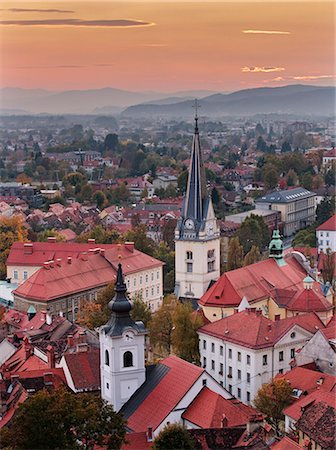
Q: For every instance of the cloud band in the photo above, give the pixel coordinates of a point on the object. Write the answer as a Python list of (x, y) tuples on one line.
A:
[(108, 23)]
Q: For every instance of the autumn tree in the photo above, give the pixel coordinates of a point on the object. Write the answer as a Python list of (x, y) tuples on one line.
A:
[(100, 235), (292, 178), (270, 177), (68, 421), (235, 254), (174, 437), (97, 313), (142, 242), (168, 233), (23, 178), (43, 236), (11, 230), (272, 398), (161, 326), (328, 266), (252, 256), (140, 310), (184, 337)]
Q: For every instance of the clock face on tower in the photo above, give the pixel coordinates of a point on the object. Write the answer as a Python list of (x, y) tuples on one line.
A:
[(128, 336), (189, 224), (210, 229)]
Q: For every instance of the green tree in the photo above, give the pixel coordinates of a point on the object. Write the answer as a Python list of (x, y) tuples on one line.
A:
[(174, 437), (184, 337), (182, 181), (253, 232), (43, 236), (252, 256), (307, 181), (272, 398), (161, 326), (11, 230), (330, 176), (168, 233), (100, 198), (270, 176), (325, 210), (142, 242), (292, 178), (235, 254), (111, 141), (286, 147), (68, 421), (100, 235), (305, 238), (140, 310)]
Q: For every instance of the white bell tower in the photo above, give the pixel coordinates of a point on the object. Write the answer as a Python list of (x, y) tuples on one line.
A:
[(197, 236), (122, 350)]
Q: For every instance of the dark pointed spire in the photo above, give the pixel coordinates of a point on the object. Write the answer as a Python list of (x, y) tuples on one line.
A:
[(120, 303), (196, 187)]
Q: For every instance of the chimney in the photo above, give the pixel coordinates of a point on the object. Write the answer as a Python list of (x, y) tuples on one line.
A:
[(224, 421), (258, 312), (82, 337), (48, 378), (58, 261), (84, 347), (51, 239), (269, 327), (91, 241), (84, 256), (27, 347), (70, 340), (102, 251), (46, 265), (51, 356), (129, 246), (43, 316), (51, 263), (69, 259), (15, 377), (149, 434), (27, 248)]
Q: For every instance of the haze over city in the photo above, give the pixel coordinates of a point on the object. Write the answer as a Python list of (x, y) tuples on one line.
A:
[(166, 45)]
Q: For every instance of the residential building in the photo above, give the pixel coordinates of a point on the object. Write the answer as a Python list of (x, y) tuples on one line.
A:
[(65, 285), (329, 158), (197, 236), (163, 181), (29, 194), (246, 350), (297, 207), (326, 235), (280, 286)]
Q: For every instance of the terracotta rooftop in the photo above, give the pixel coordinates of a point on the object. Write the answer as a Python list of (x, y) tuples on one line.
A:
[(84, 368), (296, 409), (328, 225), (286, 444), (251, 329)]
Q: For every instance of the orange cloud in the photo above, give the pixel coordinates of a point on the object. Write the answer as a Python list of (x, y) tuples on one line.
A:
[(265, 32), (262, 69), (61, 11), (312, 77), (106, 23)]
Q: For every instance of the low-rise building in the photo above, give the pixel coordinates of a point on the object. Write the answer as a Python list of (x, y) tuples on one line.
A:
[(246, 350), (297, 207), (326, 235)]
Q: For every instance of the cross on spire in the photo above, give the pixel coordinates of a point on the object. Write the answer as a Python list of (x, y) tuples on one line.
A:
[(196, 105)]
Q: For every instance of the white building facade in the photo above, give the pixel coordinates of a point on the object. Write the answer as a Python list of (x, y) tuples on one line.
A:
[(326, 236)]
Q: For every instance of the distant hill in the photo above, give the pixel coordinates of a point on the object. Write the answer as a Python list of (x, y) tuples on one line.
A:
[(97, 101), (293, 99)]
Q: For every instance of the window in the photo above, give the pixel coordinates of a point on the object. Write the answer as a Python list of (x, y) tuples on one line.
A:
[(152, 291), (158, 289), (221, 369), (264, 360), (128, 283), (189, 267), (248, 396), (327, 234), (146, 277), (211, 253), (239, 374), (280, 370), (321, 242), (204, 361), (292, 335), (140, 279), (239, 356), (211, 266), (277, 317), (248, 377), (25, 274), (128, 359), (239, 393), (292, 353), (152, 276), (230, 353), (230, 388), (146, 293), (248, 359), (134, 281), (327, 243), (230, 372), (157, 275), (321, 233), (212, 347), (107, 358), (16, 275), (221, 350), (212, 364), (204, 382), (204, 344), (107, 386), (189, 255), (281, 355)]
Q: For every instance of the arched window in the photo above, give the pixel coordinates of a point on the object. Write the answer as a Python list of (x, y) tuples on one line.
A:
[(128, 359), (189, 255), (107, 358)]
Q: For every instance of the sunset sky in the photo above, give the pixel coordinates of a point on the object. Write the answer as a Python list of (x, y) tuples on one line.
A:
[(166, 45)]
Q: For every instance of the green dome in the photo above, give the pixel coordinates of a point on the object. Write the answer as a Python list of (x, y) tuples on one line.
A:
[(308, 279), (276, 245)]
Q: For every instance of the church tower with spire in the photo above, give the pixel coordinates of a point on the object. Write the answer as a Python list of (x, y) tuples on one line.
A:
[(197, 237), (122, 349)]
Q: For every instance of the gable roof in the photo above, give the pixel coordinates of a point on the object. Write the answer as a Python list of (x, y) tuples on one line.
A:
[(255, 282), (208, 409), (165, 389), (285, 196), (84, 368), (307, 380), (251, 329), (296, 409), (328, 225), (286, 444)]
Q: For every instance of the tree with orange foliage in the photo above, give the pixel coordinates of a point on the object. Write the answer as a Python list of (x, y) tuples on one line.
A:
[(23, 178), (11, 230)]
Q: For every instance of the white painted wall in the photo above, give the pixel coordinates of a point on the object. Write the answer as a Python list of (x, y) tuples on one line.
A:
[(325, 240)]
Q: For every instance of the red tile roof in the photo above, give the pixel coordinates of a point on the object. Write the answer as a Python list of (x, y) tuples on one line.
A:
[(295, 410), (208, 408), (18, 362), (309, 300), (307, 380), (255, 282), (136, 441), (251, 329), (330, 331), (94, 271), (328, 225), (285, 444), (84, 368), (166, 395)]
